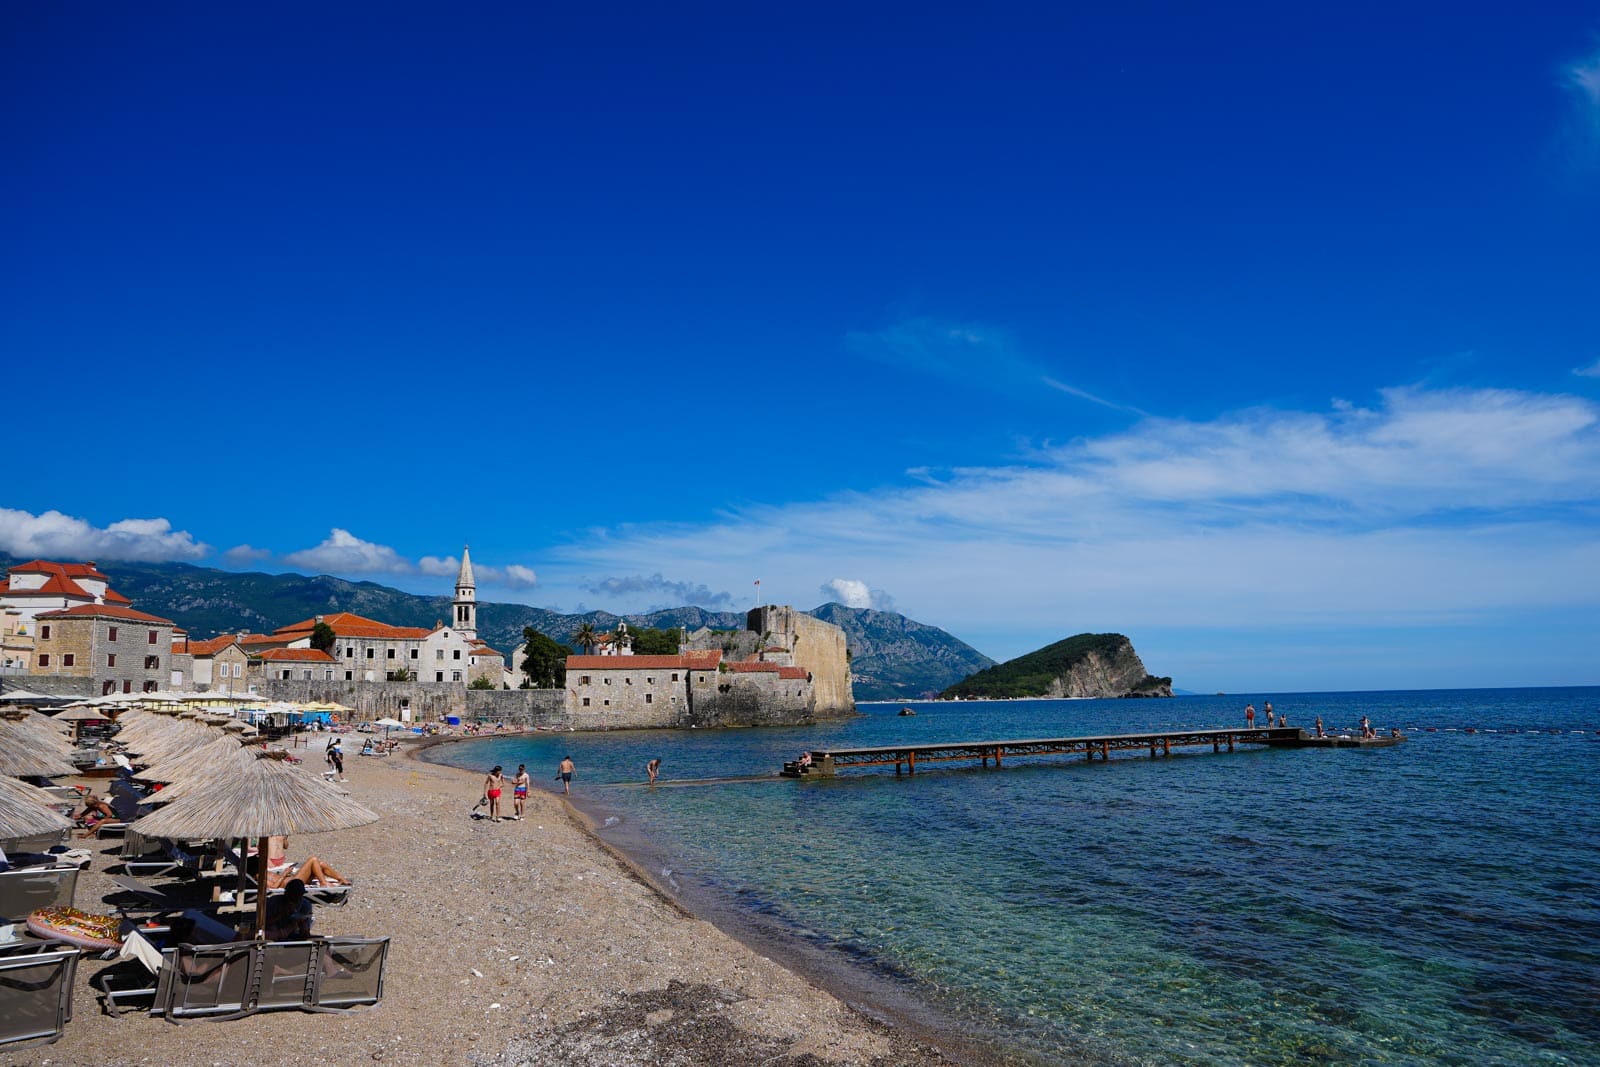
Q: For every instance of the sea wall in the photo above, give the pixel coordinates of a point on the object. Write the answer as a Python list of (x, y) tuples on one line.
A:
[(425, 701), (530, 708)]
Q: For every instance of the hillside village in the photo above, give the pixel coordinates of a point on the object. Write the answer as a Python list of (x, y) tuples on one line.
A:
[(67, 633)]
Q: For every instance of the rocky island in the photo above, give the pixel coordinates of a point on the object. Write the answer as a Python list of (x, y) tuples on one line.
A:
[(1088, 665)]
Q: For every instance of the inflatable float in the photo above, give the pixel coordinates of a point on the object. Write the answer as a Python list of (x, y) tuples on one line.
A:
[(81, 928)]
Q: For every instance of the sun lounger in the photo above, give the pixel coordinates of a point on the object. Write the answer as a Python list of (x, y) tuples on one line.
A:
[(136, 979), (234, 980), (32, 888), (36, 996)]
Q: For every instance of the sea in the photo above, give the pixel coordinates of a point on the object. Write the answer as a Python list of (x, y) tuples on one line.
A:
[(1435, 902)]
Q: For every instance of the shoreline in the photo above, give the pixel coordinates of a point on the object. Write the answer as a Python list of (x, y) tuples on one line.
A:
[(876, 996), (511, 943)]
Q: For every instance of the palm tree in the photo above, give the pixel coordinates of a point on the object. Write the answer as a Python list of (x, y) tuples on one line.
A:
[(586, 638)]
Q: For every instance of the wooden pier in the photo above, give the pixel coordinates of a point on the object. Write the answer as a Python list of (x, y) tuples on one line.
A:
[(827, 763)]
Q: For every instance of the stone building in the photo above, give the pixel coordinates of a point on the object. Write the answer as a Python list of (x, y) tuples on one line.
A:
[(793, 638), (126, 651), (215, 665), (39, 586), (286, 664)]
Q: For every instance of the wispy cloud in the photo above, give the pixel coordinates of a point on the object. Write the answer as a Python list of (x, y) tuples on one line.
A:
[(1581, 79), (53, 535), (1591, 371), (965, 354), (654, 592), (1429, 505), (245, 555)]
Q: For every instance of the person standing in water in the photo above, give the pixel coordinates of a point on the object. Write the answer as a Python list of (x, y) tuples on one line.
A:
[(653, 768), (565, 774), (519, 790)]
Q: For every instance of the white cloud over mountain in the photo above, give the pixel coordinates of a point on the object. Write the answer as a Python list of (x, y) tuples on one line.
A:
[(53, 535)]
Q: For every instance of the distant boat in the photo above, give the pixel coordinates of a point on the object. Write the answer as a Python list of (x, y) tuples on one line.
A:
[(907, 711)]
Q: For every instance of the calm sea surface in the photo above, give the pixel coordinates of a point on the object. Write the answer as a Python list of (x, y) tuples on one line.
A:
[(1437, 902)]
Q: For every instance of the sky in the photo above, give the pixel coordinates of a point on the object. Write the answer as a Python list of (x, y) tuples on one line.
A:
[(1266, 335)]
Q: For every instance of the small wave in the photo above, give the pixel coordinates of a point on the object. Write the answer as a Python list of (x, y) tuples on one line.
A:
[(613, 820)]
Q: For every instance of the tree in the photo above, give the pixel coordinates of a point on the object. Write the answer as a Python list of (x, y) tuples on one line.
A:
[(400, 674), (649, 642), (586, 638), (545, 663), (323, 637), (481, 682)]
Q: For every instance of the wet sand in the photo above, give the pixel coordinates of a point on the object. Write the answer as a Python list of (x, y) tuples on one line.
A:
[(513, 943)]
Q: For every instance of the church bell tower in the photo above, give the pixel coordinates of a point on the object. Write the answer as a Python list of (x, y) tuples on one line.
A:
[(466, 620)]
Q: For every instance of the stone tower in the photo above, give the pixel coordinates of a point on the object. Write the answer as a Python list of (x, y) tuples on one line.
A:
[(466, 620)]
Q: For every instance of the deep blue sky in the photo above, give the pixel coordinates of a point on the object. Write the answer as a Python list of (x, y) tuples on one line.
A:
[(1267, 335)]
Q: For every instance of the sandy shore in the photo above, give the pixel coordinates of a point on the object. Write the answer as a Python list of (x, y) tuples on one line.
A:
[(513, 943)]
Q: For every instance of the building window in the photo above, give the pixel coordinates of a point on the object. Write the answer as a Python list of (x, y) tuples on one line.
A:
[(389, 653), (127, 687), (349, 676), (674, 677), (152, 638), (149, 687), (438, 653), (649, 698), (111, 659), (649, 681), (438, 676), (67, 659), (44, 633), (113, 634), (369, 653), (585, 701), (327, 676), (608, 703), (44, 659), (627, 681), (413, 653), (237, 669), (455, 653), (306, 674), (584, 680), (287, 674), (608, 681), (455, 676), (152, 663), (349, 651)]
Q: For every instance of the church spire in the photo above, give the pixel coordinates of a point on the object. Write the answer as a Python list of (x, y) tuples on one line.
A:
[(466, 615)]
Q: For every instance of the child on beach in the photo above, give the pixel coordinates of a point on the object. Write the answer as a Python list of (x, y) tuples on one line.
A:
[(519, 790)]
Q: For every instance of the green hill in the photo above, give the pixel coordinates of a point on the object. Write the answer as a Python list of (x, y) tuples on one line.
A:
[(1088, 665)]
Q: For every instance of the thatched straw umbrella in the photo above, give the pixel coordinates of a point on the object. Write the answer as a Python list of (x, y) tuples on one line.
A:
[(194, 761), (26, 812), (20, 759), (36, 732), (264, 799)]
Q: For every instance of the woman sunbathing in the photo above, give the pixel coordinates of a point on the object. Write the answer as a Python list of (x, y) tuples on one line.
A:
[(312, 872)]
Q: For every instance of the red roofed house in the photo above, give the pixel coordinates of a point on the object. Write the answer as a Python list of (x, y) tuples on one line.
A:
[(127, 651), (286, 663), (612, 692), (39, 586), (215, 665)]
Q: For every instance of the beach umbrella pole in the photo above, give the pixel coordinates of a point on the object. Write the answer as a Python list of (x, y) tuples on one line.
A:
[(261, 888)]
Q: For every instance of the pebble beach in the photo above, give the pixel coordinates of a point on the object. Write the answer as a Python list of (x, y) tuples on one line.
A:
[(513, 943)]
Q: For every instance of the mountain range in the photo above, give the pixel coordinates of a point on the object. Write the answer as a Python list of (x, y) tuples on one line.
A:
[(892, 657)]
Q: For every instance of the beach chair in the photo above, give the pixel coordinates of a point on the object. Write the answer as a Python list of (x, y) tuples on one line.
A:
[(330, 974), (134, 978), (36, 996), (33, 888)]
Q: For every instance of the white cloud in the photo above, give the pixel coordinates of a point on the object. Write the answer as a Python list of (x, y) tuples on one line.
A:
[(53, 535), (1591, 371), (654, 592), (517, 576), (244, 555), (1428, 507), (448, 567), (855, 594), (343, 552)]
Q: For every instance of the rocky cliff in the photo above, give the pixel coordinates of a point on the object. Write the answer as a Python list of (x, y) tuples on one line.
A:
[(1088, 665)]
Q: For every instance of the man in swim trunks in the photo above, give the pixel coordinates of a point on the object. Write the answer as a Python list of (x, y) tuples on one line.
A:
[(565, 774), (519, 790), (653, 768), (491, 791)]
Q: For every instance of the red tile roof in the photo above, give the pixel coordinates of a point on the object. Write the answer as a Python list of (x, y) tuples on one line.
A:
[(211, 647), (264, 639), (55, 585), (296, 655), (753, 667), (66, 570), (62, 580), (114, 597), (482, 650), (795, 673), (105, 611), (346, 624)]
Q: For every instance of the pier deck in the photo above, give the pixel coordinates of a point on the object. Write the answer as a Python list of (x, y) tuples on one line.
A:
[(905, 758)]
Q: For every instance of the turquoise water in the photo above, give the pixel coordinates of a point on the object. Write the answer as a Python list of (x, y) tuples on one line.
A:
[(1437, 902)]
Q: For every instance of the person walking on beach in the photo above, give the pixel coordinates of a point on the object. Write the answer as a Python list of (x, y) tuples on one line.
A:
[(1249, 716), (565, 774), (491, 791), (335, 757), (653, 768), (519, 790)]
